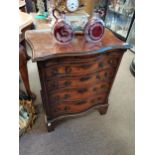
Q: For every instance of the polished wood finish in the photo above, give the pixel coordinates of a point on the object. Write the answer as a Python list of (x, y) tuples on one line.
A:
[(23, 58), (76, 77), (79, 46), (24, 25)]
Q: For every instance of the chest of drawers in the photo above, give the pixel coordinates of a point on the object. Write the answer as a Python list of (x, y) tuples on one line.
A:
[(77, 77)]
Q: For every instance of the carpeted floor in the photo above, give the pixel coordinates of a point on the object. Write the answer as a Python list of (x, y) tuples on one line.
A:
[(92, 134)]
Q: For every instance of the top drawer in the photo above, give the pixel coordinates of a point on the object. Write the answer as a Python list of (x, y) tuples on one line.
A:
[(82, 59), (76, 67)]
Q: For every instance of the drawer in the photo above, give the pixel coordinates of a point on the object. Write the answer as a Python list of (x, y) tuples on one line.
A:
[(73, 60), (70, 107), (71, 69), (77, 93), (105, 75), (82, 59), (68, 70)]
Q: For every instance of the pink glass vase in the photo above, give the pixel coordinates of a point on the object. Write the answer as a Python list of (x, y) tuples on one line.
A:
[(94, 29), (62, 30)]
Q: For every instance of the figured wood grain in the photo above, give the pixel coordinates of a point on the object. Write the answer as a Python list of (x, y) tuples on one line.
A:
[(74, 91), (76, 82), (75, 77), (44, 46)]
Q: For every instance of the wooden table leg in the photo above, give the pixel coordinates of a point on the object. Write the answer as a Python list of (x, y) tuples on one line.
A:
[(23, 58)]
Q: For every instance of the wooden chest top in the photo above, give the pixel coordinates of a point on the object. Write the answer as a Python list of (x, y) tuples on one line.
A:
[(45, 47)]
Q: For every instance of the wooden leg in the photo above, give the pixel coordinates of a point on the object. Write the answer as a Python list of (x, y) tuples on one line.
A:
[(23, 45), (103, 110), (24, 72), (50, 126)]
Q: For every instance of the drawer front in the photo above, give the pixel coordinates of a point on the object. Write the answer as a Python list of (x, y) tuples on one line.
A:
[(71, 107), (73, 60), (85, 80), (75, 84), (82, 59), (77, 68), (77, 93)]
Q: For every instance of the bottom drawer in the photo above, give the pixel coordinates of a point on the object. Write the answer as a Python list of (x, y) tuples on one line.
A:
[(77, 106)]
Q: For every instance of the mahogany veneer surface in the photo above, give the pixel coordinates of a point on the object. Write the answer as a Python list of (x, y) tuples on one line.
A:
[(45, 46), (75, 77)]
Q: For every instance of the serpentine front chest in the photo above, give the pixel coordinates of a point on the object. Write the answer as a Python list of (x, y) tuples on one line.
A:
[(76, 77)]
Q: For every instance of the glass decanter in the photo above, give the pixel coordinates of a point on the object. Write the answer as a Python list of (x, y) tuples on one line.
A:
[(95, 27), (62, 29)]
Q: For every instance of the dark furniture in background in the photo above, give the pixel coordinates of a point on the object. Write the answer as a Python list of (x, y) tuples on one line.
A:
[(77, 77), (31, 5)]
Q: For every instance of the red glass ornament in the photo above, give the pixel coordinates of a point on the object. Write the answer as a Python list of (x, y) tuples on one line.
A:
[(94, 29), (63, 31)]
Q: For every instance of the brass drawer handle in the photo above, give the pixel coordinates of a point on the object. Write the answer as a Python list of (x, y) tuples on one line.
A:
[(86, 66), (85, 78), (101, 65), (66, 108), (55, 72), (67, 83), (80, 102), (100, 77), (66, 96), (82, 90), (111, 61), (68, 70)]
